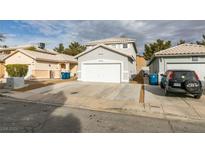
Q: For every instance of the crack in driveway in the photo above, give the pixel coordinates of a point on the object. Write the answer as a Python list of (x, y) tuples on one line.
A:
[(195, 111)]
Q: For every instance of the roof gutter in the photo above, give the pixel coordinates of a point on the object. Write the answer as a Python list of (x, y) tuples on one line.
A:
[(180, 55), (135, 47), (177, 55), (109, 42), (103, 47), (57, 61)]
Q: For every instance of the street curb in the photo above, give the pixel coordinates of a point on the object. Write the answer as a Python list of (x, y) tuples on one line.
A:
[(117, 111)]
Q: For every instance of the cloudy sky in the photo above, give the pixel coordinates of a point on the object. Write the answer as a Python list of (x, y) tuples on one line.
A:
[(55, 32)]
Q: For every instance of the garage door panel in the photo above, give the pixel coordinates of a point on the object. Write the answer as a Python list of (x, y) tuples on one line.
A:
[(199, 68), (101, 72)]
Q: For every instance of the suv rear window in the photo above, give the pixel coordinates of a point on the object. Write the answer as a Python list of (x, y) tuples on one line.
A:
[(185, 75)]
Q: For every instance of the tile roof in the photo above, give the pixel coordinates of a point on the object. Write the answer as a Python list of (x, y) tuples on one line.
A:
[(2, 57), (16, 47), (183, 49), (125, 53), (28, 46), (111, 40), (38, 54), (46, 57), (64, 57), (180, 50)]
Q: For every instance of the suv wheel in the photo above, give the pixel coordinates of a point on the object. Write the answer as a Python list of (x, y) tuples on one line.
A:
[(161, 85), (197, 96)]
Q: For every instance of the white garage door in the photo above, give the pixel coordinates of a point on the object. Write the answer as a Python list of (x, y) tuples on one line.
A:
[(199, 68), (101, 72)]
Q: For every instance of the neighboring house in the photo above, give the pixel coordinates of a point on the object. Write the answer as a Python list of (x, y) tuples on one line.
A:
[(184, 56), (4, 52), (2, 67), (108, 60), (140, 63), (42, 63)]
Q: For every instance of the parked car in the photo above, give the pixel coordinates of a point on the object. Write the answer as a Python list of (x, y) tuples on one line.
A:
[(163, 79), (181, 81)]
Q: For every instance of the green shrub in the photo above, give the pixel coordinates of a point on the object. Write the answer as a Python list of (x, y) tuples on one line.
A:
[(17, 70)]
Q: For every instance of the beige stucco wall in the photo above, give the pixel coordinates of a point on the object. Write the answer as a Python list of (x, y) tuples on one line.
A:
[(40, 74), (73, 69), (44, 74), (141, 62), (19, 58), (44, 69), (2, 69), (42, 65)]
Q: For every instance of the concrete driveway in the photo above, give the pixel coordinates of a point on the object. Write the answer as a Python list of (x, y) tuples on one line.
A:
[(176, 104), (97, 96), (105, 91)]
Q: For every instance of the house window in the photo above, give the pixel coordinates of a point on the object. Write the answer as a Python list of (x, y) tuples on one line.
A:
[(195, 58), (124, 45)]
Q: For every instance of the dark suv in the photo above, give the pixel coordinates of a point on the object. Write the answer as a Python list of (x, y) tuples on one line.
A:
[(181, 81)]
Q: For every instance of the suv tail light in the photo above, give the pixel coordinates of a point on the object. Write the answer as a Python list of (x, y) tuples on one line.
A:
[(171, 74), (196, 76)]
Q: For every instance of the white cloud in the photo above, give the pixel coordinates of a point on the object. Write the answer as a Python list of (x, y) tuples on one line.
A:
[(45, 27), (54, 32)]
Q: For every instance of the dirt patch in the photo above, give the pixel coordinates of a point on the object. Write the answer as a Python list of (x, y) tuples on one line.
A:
[(34, 84), (140, 79), (142, 94)]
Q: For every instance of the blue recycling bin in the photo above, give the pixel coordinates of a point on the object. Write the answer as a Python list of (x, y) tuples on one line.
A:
[(62, 75), (153, 79), (65, 75)]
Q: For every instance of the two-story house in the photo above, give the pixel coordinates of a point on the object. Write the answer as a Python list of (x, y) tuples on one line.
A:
[(108, 60)]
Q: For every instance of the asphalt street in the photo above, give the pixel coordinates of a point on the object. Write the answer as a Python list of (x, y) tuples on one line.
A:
[(20, 116)]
